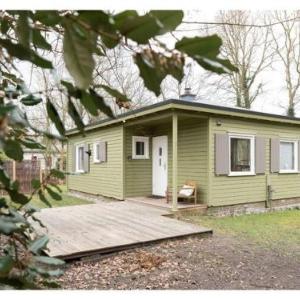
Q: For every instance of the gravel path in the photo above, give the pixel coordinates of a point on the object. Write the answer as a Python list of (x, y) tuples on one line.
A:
[(217, 262)]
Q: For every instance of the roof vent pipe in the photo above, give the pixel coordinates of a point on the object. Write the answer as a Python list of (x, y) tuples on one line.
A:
[(187, 96)]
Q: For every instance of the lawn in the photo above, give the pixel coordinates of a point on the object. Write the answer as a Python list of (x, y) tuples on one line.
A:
[(277, 230), (67, 200)]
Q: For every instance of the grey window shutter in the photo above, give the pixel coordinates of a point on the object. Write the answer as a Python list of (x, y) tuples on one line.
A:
[(73, 158), (260, 155), (221, 154), (103, 151), (275, 155), (86, 159)]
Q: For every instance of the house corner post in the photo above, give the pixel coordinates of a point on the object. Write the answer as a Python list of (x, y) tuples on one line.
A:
[(174, 160)]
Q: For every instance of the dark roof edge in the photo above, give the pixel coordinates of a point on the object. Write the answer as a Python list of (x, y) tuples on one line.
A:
[(187, 103)]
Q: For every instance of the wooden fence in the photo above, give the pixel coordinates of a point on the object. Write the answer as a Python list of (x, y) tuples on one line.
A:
[(24, 172)]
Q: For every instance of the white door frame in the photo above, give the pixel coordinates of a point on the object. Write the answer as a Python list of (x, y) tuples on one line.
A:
[(159, 165)]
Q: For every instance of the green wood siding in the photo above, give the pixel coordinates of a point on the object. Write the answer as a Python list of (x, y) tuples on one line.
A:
[(192, 157), (227, 190), (104, 178)]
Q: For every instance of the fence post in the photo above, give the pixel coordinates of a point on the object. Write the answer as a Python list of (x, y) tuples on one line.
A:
[(14, 171)]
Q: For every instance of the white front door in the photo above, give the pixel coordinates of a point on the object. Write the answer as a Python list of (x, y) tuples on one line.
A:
[(159, 165)]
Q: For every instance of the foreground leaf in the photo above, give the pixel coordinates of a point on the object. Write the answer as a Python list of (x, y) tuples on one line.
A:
[(78, 54), (39, 244), (205, 51), (31, 100), (55, 118), (75, 115), (13, 150), (6, 264)]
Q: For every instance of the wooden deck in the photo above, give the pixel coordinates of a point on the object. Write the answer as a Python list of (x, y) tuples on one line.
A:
[(78, 231)]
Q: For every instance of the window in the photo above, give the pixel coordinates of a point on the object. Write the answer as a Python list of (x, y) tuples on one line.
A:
[(241, 152), (80, 158), (288, 156), (96, 153), (140, 147)]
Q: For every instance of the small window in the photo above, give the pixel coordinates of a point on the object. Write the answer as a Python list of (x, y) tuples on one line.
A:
[(241, 155), (288, 156), (96, 153), (140, 147), (80, 158)]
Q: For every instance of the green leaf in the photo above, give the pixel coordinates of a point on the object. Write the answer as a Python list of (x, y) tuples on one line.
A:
[(53, 194), (46, 272), (154, 67), (23, 30), (13, 150), (6, 227), (17, 197), (4, 26), (55, 118), (100, 21), (205, 51), (78, 46), (4, 178), (30, 100), (47, 17), (114, 93), (170, 19), (75, 115), (138, 28), (44, 199), (39, 244), (39, 41), (23, 53), (6, 264), (56, 173), (36, 184), (98, 102), (48, 260), (31, 144), (3, 202), (4, 109)]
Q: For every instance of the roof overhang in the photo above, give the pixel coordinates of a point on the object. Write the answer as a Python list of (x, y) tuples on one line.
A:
[(188, 106)]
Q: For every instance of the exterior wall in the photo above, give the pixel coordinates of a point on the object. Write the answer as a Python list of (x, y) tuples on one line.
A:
[(105, 178), (192, 157), (226, 190)]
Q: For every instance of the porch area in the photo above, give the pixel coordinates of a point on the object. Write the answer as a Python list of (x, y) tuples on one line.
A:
[(159, 202), (162, 155)]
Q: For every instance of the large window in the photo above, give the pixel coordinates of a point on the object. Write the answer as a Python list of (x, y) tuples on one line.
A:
[(80, 158), (241, 155), (288, 156), (140, 147)]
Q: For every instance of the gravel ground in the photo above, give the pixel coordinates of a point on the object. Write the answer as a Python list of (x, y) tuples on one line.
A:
[(217, 262)]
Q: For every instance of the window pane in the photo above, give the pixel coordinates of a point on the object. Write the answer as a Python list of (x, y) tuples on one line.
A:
[(240, 155), (97, 152), (140, 148), (287, 161), (80, 158)]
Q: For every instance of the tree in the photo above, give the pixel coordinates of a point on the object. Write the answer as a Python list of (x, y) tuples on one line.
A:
[(286, 38), (249, 49), (24, 37)]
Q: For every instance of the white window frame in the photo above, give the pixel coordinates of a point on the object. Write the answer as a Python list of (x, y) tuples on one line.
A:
[(252, 154), (295, 170), (77, 157), (95, 160), (144, 139)]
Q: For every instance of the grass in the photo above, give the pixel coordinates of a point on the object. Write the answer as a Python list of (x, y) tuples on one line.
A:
[(67, 200), (278, 230)]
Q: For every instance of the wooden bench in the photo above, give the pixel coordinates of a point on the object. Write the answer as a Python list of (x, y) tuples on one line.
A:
[(190, 183)]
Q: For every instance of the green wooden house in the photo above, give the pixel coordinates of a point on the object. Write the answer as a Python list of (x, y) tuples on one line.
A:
[(236, 156)]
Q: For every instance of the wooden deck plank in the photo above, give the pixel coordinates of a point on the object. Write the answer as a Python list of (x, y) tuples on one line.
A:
[(79, 230)]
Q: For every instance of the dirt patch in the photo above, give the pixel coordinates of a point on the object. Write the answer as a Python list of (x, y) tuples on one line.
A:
[(218, 262)]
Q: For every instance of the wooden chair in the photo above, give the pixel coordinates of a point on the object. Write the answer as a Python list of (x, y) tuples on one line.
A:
[(190, 183)]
